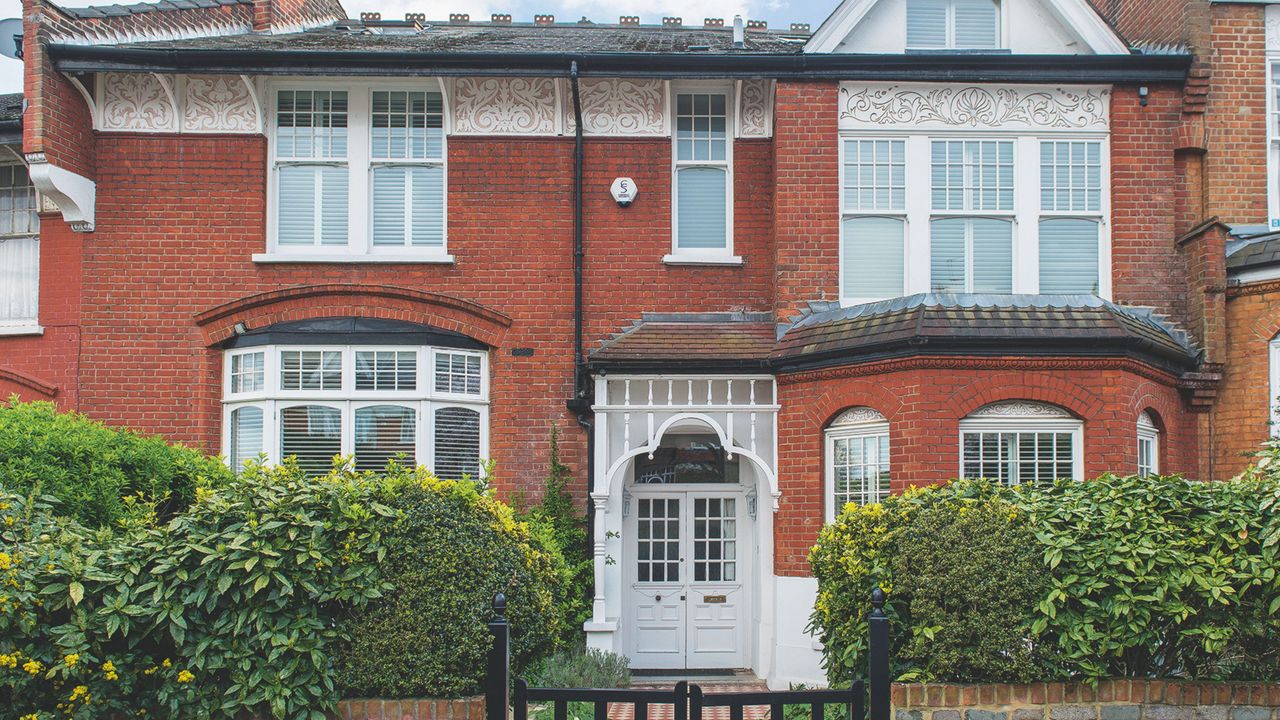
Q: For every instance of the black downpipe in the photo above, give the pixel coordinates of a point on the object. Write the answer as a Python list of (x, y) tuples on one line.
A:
[(580, 403)]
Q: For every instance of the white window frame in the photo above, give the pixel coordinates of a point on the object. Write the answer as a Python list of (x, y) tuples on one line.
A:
[(717, 256), (1026, 203), (1027, 424), (1273, 402), (849, 431), (1149, 435), (26, 326), (1002, 31), (360, 247), (1273, 137), (846, 213), (424, 400)]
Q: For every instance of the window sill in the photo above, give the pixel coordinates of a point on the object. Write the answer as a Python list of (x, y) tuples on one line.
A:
[(702, 259), (21, 330), (342, 258)]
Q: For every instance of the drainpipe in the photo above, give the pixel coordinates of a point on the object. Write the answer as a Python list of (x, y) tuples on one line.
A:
[(580, 403)]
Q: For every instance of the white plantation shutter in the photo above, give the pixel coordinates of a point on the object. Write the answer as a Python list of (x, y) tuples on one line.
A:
[(948, 255), (312, 434), (702, 206), (246, 435), (312, 208), (1068, 256), (383, 433), (408, 206), (874, 257), (927, 24), (977, 24), (457, 443), (992, 255), (19, 280)]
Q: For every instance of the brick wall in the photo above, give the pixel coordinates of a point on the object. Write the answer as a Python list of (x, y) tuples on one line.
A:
[(424, 709), (1243, 405), (924, 401), (1236, 173), (1156, 21), (1110, 700)]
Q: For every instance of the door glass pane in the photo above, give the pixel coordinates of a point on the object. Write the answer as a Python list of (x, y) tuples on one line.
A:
[(687, 458), (658, 540), (715, 536)]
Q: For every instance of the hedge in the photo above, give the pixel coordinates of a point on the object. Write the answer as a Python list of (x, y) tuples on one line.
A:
[(90, 468), (1114, 577)]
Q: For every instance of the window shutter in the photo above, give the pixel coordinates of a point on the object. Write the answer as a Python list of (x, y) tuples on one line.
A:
[(457, 443), (947, 255), (926, 24), (977, 23), (309, 195), (992, 255), (383, 433), (333, 207), (421, 189), (312, 434), (874, 257), (19, 279), (428, 206), (388, 205), (1069, 256), (702, 211), (246, 435)]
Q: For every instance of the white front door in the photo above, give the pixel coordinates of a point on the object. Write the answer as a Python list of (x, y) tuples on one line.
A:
[(689, 599)]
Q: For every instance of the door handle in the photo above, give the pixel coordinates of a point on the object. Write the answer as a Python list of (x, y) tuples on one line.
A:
[(681, 597)]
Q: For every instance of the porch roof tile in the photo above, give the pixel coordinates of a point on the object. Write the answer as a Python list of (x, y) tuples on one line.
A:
[(659, 341)]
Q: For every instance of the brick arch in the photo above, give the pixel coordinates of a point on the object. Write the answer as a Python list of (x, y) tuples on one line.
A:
[(24, 386), (1147, 399), (1035, 386), (1267, 325), (842, 395), (389, 302)]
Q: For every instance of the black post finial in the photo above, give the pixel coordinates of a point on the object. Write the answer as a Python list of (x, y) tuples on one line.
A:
[(500, 605), (877, 599)]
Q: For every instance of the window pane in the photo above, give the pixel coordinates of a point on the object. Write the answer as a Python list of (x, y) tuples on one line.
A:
[(926, 24), (977, 23), (1017, 457), (408, 206), (246, 435), (406, 125), (702, 208), (311, 124), (313, 435), (947, 262), (383, 433), (701, 127), (19, 280), (861, 469), (311, 370), (972, 175), (247, 372), (458, 373), (312, 207), (386, 370), (1069, 256), (874, 175), (1070, 176), (874, 257), (17, 202), (992, 255), (457, 443)]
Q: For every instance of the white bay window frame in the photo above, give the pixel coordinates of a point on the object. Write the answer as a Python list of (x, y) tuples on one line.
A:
[(1273, 134), (1027, 425), (697, 256), (1025, 216), (869, 427), (424, 400), (361, 166), (19, 253)]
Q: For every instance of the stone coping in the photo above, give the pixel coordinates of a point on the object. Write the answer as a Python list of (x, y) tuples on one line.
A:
[(471, 708), (1148, 692)]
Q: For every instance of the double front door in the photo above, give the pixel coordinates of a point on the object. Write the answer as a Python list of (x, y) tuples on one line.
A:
[(687, 571)]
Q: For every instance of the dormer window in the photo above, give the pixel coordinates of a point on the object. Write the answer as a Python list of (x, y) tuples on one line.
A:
[(953, 24)]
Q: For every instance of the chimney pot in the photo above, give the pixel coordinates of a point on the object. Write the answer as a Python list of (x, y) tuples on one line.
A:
[(544, 19), (500, 18), (800, 28), (713, 22), (629, 20), (672, 22), (459, 17), (757, 25), (370, 16)]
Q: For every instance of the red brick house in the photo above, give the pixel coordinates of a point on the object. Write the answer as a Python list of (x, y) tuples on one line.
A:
[(751, 273)]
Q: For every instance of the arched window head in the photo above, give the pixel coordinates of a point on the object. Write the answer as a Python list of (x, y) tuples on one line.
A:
[(1019, 441), (857, 459)]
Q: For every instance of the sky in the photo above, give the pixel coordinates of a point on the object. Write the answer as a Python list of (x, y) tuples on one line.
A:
[(779, 13)]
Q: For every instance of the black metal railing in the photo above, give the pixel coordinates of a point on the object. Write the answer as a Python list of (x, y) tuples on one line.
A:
[(688, 701)]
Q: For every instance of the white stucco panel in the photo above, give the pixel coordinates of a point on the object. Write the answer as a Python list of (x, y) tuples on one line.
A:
[(954, 106)]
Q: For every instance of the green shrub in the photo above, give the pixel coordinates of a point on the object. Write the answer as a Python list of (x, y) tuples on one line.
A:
[(450, 552), (578, 667), (228, 610), (89, 468)]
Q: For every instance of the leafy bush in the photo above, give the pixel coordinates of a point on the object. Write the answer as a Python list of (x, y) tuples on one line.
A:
[(1119, 576), (228, 610), (450, 552), (89, 468), (559, 528)]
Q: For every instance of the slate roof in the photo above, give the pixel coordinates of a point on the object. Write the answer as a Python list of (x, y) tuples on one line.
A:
[(10, 107), (501, 38), (117, 10), (706, 339), (926, 324), (1260, 251)]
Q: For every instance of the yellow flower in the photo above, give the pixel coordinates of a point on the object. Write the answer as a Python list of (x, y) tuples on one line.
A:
[(109, 670), (185, 676), (79, 692), (150, 671), (166, 664), (71, 659), (33, 667), (30, 716), (6, 561), (8, 520)]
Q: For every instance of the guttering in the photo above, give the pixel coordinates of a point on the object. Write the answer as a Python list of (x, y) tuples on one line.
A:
[(928, 67)]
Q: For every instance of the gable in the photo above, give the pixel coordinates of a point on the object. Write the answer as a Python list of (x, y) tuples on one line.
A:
[(1029, 27)]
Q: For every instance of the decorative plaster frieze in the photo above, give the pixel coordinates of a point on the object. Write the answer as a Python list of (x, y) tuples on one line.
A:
[(858, 416), (218, 104), (755, 109), (620, 107), (1273, 28), (978, 107), (1019, 409), (504, 106), (136, 102)]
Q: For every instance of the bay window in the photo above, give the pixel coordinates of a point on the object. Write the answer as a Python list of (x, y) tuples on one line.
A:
[(1021, 442), (19, 252), (702, 176), (1006, 214), (358, 174), (415, 405)]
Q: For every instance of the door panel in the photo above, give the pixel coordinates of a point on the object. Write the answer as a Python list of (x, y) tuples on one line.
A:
[(658, 594), (716, 617)]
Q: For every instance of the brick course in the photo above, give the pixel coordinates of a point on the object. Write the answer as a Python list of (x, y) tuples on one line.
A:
[(1124, 699)]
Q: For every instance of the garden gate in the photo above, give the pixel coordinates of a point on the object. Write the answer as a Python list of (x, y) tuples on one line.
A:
[(687, 700)]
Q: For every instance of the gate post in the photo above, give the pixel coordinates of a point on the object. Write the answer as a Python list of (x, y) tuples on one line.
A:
[(497, 679), (878, 660)]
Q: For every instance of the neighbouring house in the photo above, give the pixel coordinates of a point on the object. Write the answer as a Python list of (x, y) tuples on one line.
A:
[(752, 274)]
